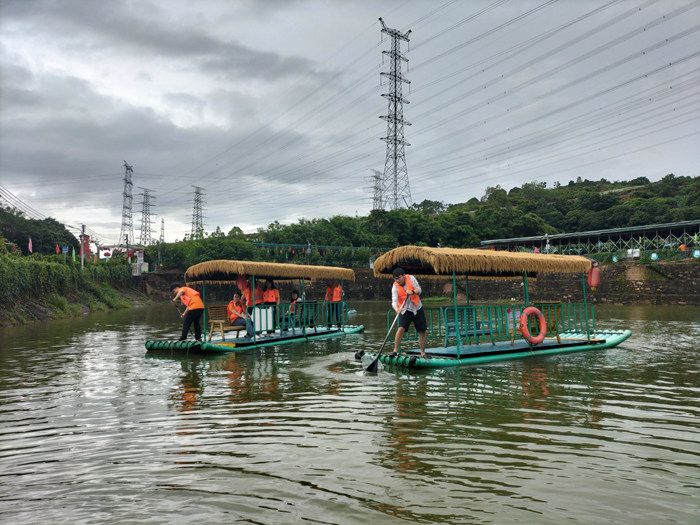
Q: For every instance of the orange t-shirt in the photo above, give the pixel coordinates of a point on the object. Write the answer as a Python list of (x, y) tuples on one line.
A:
[(191, 298), (248, 294)]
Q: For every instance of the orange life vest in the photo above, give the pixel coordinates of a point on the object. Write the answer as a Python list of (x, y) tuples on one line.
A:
[(334, 293), (408, 285), (191, 298), (234, 312), (292, 306), (271, 295), (248, 294)]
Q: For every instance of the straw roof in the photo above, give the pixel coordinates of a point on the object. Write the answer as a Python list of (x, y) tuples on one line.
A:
[(224, 271), (424, 260)]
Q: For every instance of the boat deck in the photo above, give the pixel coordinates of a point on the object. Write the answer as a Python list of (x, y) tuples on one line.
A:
[(500, 350), (518, 345)]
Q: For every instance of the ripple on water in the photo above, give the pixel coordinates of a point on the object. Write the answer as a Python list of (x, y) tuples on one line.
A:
[(92, 428)]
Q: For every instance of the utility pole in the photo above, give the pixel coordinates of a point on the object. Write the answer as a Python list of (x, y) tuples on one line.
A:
[(146, 239), (82, 247), (396, 190), (161, 240), (197, 223), (127, 224)]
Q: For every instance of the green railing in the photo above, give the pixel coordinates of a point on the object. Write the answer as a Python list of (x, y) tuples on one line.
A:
[(303, 316), (479, 324)]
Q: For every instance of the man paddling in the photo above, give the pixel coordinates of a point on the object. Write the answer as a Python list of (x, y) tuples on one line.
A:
[(406, 286), (193, 311)]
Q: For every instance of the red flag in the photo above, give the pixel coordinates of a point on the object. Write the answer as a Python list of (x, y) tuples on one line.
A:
[(85, 246), (58, 250), (30, 245)]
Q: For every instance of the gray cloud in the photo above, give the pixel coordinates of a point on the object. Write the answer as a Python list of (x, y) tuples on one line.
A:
[(261, 101)]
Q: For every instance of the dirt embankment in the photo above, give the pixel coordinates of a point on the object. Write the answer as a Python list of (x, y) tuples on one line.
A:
[(33, 309)]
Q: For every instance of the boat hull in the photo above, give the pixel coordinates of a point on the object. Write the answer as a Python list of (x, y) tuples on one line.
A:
[(487, 353), (244, 343)]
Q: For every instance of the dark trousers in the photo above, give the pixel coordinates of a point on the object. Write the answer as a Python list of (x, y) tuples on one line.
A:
[(192, 316), (334, 313), (239, 321)]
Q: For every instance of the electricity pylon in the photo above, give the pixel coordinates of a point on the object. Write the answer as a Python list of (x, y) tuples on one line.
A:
[(197, 222), (146, 239), (396, 190), (126, 233), (377, 190)]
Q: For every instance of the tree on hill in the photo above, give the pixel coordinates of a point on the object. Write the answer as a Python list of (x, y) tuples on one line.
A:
[(45, 233)]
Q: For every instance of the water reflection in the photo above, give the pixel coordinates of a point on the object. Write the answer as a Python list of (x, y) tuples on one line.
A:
[(90, 425)]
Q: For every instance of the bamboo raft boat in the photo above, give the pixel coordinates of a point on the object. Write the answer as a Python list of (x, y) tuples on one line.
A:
[(473, 334), (273, 324)]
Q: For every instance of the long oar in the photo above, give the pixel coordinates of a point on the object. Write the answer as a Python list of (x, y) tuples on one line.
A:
[(374, 365)]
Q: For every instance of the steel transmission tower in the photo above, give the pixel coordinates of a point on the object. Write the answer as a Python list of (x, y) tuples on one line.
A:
[(126, 235), (146, 239), (377, 190), (197, 223), (396, 188)]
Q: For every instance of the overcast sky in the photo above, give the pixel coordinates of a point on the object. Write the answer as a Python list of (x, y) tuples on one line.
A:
[(272, 106)]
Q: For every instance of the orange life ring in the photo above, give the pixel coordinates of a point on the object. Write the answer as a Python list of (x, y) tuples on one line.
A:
[(533, 340)]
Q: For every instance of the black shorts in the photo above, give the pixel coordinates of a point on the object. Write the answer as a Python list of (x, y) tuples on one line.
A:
[(418, 319)]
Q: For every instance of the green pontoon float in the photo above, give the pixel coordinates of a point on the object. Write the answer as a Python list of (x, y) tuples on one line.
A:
[(470, 334)]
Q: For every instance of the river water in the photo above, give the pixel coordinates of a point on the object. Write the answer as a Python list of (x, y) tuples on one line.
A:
[(94, 430)]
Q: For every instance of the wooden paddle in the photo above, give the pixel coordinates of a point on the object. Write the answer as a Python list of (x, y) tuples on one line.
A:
[(374, 365)]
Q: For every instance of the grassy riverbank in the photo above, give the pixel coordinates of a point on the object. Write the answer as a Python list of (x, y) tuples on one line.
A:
[(39, 288)]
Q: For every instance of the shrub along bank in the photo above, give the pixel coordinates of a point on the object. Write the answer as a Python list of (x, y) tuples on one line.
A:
[(45, 287)]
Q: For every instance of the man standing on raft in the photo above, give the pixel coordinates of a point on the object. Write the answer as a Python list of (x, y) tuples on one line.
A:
[(406, 292), (193, 313)]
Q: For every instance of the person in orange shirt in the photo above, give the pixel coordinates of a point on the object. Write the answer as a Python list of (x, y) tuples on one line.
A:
[(334, 296), (271, 297), (405, 300), (237, 314), (192, 300), (247, 292)]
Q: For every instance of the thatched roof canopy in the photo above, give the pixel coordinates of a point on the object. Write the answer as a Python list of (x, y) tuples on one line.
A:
[(424, 260), (224, 271)]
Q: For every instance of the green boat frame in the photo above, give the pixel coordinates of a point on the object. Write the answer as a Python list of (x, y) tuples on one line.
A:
[(476, 334), (311, 320)]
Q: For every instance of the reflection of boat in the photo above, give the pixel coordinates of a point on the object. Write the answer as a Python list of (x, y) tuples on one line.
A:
[(274, 324), (477, 334)]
